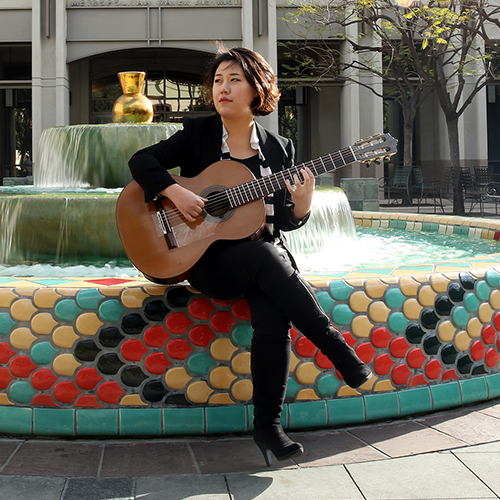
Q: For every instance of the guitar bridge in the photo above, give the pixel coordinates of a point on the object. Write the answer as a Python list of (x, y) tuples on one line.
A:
[(164, 227)]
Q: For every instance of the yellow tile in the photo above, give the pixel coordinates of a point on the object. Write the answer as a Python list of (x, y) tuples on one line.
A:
[(495, 299), (379, 312), (446, 331), (294, 361), (6, 297), (222, 349), (111, 291), (199, 391), (222, 377), (45, 298), (22, 338), (439, 283), (65, 365), (4, 400), (474, 327), (177, 377), (412, 309), (43, 323), (306, 395), (64, 336), (383, 386), (133, 298), (346, 391), (241, 363), (132, 400), (426, 296), (307, 373), (22, 309), (242, 390), (389, 280), (368, 385), (361, 326), (359, 301), (408, 286), (462, 341), (375, 288), (88, 323), (68, 292), (221, 399), (485, 313), (155, 289)]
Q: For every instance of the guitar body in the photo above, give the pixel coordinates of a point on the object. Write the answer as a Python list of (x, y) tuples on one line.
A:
[(146, 245)]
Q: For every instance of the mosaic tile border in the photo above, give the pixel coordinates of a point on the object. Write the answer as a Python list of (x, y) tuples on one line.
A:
[(125, 357)]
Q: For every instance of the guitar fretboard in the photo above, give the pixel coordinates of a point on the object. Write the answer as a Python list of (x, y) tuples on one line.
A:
[(260, 188)]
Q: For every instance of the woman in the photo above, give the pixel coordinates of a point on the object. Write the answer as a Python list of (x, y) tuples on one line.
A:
[(242, 85)]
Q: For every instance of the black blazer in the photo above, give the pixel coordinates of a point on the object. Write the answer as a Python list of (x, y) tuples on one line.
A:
[(197, 146)]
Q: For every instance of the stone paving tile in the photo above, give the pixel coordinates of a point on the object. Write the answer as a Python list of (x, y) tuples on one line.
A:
[(400, 439), (334, 449), (138, 459), (182, 488), (55, 458), (486, 466), (472, 427), (7, 447), (314, 483), (99, 489), (31, 488), (492, 411), (419, 477), (232, 455)]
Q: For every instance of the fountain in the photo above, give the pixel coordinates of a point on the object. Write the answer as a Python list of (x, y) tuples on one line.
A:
[(121, 356)]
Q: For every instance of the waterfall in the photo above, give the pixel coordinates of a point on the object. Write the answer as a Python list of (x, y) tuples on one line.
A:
[(82, 156)]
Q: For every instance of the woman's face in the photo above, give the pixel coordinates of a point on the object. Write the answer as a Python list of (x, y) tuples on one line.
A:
[(232, 93)]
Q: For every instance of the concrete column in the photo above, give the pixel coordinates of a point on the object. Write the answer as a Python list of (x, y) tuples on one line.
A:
[(49, 67), (265, 42), (361, 113)]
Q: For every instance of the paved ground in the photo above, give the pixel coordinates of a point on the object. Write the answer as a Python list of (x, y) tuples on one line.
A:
[(448, 455)]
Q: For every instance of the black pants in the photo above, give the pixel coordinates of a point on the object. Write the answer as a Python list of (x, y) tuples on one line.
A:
[(277, 296)]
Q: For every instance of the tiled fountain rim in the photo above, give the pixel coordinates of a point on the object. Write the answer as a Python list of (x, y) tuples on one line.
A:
[(349, 406)]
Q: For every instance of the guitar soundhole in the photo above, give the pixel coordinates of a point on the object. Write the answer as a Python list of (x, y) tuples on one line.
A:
[(218, 205)]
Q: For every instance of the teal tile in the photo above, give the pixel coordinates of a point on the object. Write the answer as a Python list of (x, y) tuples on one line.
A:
[(346, 411), (140, 421), (308, 414), (54, 421), (446, 395), (414, 401), (473, 390), (493, 382), (15, 420), (97, 422), (382, 405), (225, 419), (183, 421)]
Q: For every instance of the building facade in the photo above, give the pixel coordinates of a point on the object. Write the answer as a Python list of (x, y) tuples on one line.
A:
[(59, 61)]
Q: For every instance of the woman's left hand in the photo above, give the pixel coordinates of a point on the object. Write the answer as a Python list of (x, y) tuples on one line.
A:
[(302, 193)]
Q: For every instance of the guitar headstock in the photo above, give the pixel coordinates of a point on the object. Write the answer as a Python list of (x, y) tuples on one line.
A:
[(377, 148)]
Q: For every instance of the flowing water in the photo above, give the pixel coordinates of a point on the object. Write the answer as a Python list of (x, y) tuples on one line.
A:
[(73, 234)]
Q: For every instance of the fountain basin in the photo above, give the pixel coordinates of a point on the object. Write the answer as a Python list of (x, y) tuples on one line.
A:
[(126, 357)]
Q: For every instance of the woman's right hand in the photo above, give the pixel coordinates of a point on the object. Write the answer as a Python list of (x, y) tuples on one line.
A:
[(189, 204)]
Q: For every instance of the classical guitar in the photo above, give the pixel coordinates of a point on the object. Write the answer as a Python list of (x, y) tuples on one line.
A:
[(164, 246)]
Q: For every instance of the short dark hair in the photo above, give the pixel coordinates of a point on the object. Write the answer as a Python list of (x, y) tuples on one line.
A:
[(258, 72)]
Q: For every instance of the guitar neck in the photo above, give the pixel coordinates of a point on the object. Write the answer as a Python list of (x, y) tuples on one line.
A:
[(260, 188)]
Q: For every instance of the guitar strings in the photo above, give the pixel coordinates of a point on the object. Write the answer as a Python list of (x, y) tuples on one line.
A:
[(249, 190)]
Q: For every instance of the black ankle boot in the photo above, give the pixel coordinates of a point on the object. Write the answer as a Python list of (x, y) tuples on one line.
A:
[(272, 438)]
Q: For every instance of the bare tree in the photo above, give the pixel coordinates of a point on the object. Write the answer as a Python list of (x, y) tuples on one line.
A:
[(437, 46)]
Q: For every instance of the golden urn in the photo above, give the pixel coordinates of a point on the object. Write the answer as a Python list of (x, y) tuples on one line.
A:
[(132, 106)]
